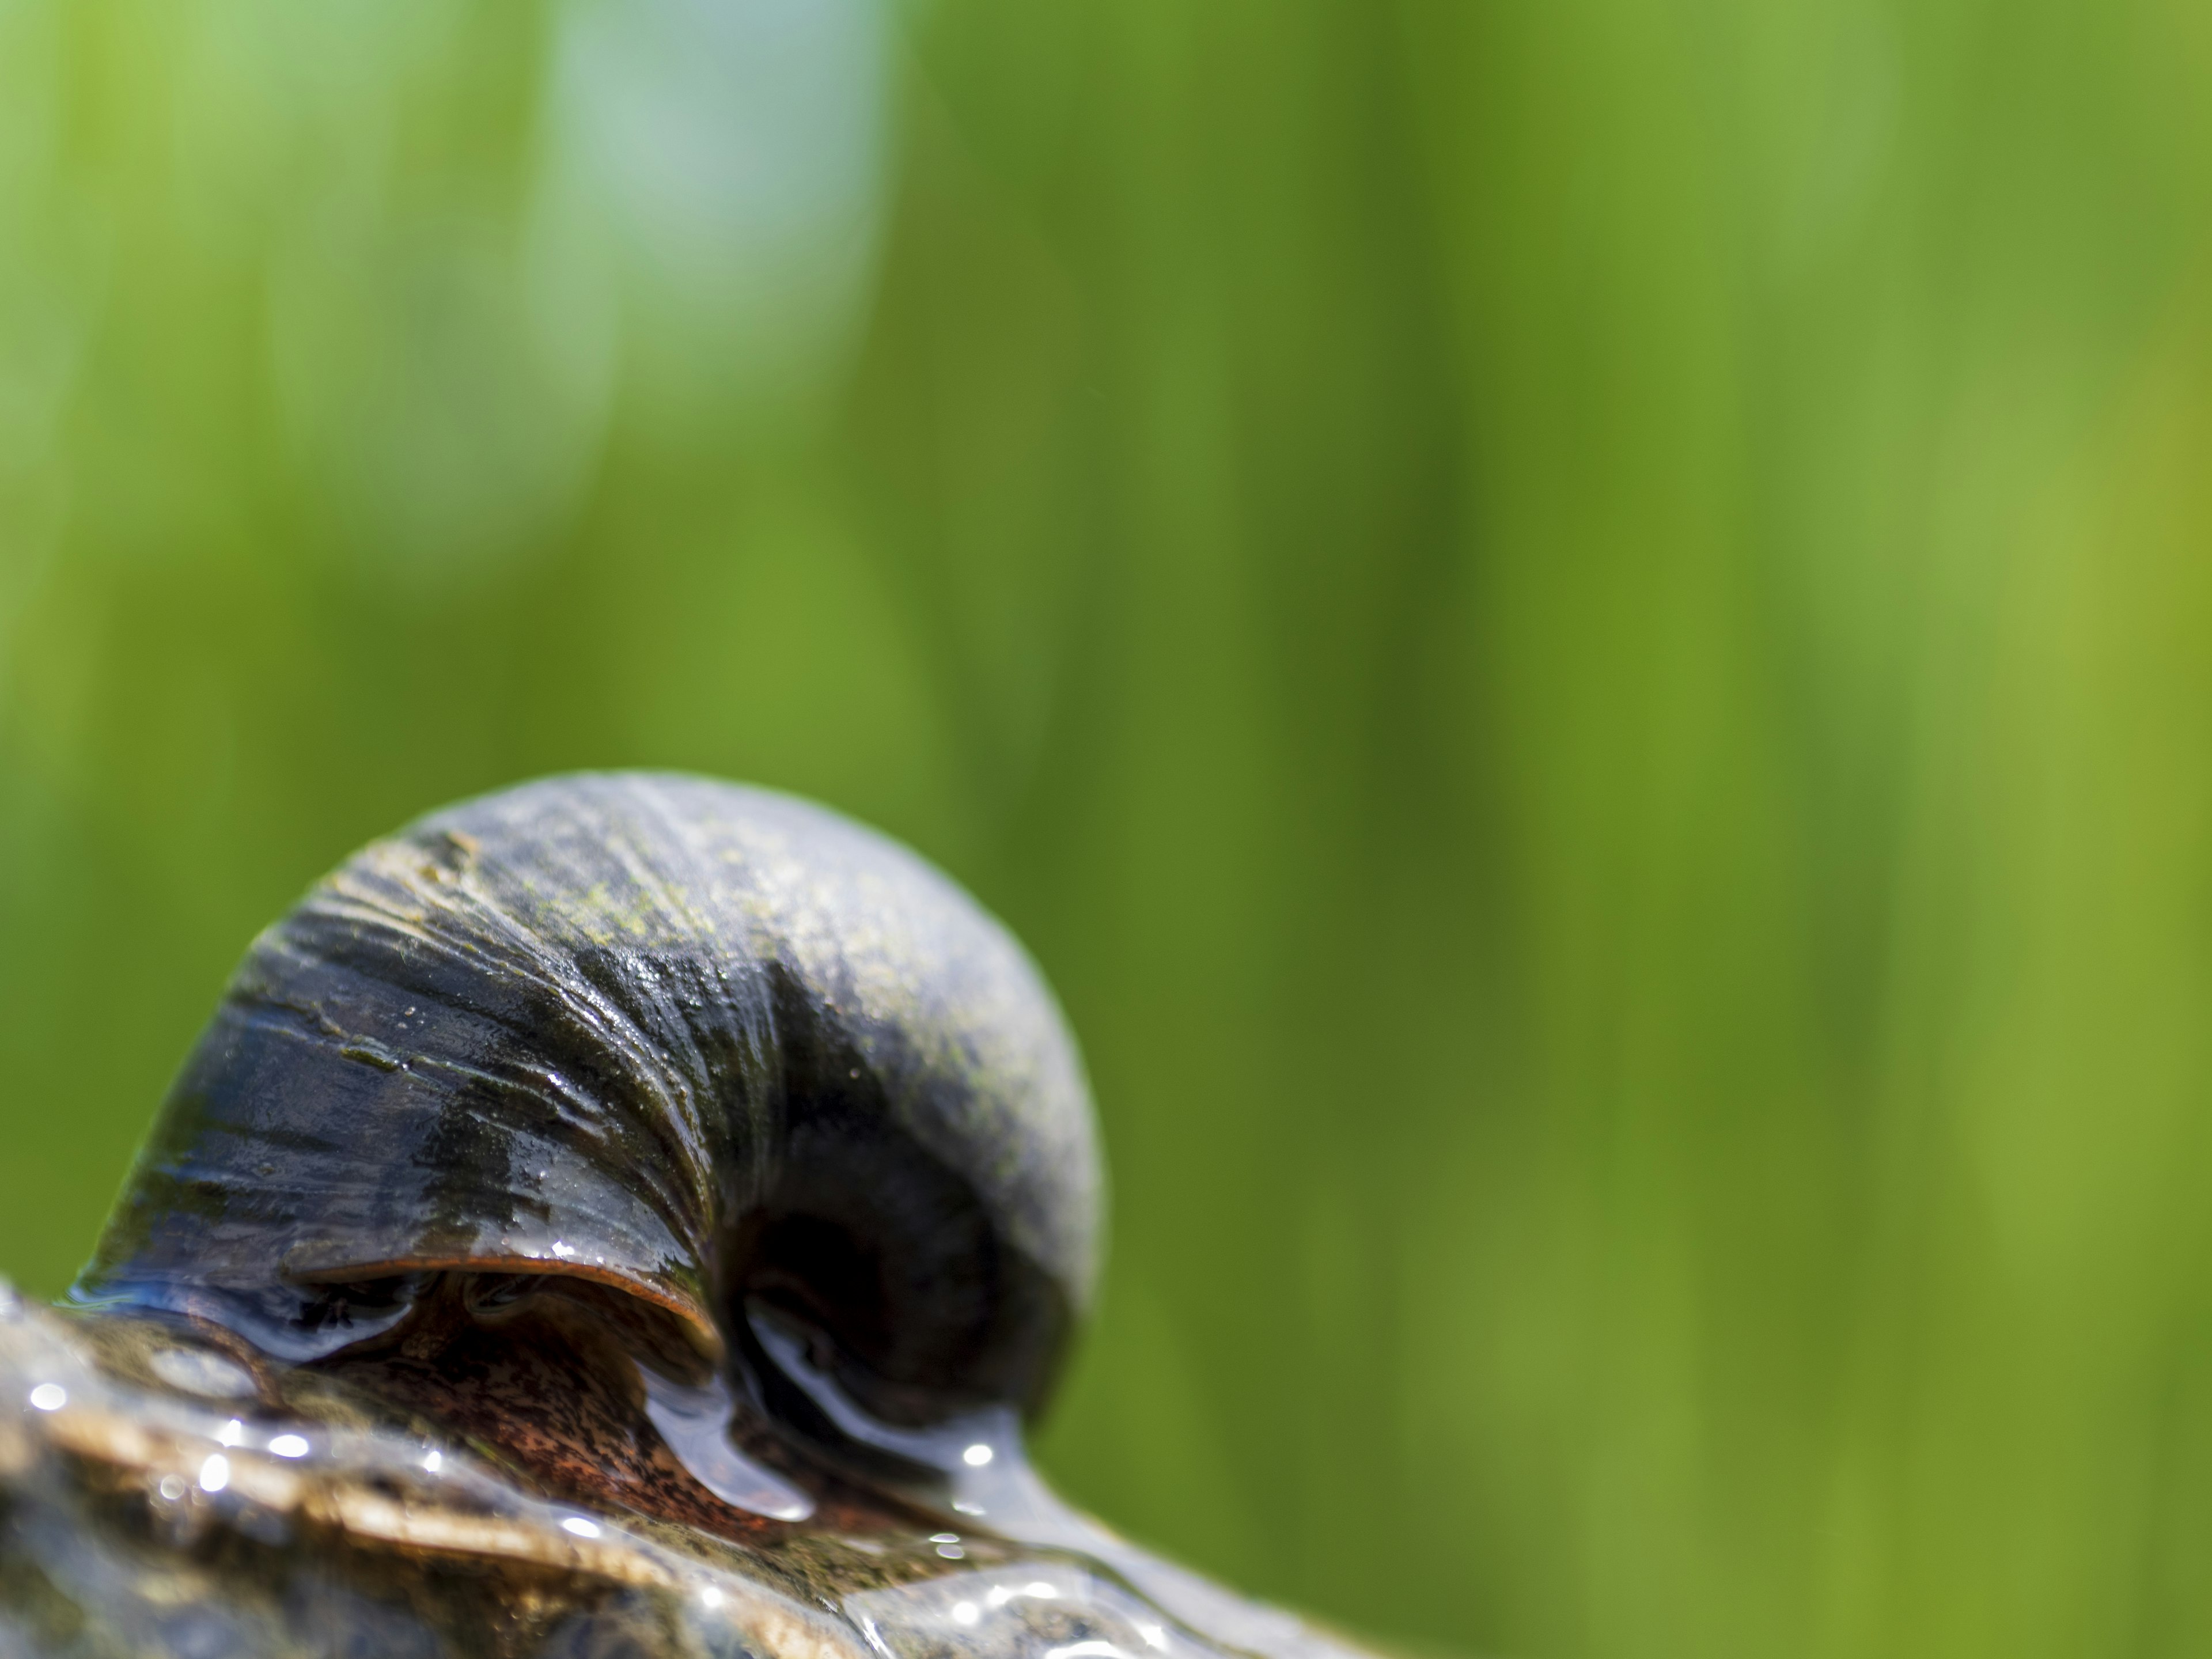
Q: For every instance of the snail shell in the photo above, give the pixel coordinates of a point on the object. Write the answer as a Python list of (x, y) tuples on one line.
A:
[(710, 1053)]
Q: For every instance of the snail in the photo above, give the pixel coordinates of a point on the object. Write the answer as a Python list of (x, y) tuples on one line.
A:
[(628, 1157)]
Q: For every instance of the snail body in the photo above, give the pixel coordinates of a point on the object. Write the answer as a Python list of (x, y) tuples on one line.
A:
[(710, 1164)]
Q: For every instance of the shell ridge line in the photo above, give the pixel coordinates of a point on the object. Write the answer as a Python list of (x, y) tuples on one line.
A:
[(751, 1017), (655, 1049), (674, 1039), (588, 1119), (359, 918), (571, 1116), (530, 959), (665, 1038), (569, 1122), (462, 920), (683, 923), (674, 1144)]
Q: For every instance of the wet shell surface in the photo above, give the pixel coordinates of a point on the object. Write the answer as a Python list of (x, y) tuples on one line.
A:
[(625, 1215)]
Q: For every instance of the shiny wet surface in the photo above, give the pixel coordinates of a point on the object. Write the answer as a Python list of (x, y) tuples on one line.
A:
[(165, 1488)]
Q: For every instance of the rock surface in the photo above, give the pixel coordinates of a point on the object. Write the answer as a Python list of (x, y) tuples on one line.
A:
[(164, 1489)]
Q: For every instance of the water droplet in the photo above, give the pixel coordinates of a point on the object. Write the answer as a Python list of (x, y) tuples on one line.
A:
[(214, 1473), (431, 1460), (232, 1433), (696, 1425), (952, 1552), (945, 1538), (172, 1486), (975, 1456), (581, 1528), (49, 1396), (965, 1613), (289, 1445), (195, 1371), (710, 1596)]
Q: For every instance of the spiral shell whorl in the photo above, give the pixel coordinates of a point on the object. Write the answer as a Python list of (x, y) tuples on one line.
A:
[(652, 1031)]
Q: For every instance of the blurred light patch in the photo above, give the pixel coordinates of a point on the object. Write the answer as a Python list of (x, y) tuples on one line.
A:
[(727, 159), (686, 219)]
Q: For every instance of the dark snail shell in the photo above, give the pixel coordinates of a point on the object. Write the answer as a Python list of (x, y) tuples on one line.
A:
[(708, 1048)]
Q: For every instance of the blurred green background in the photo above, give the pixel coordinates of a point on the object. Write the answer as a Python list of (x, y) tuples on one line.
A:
[(1581, 634)]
